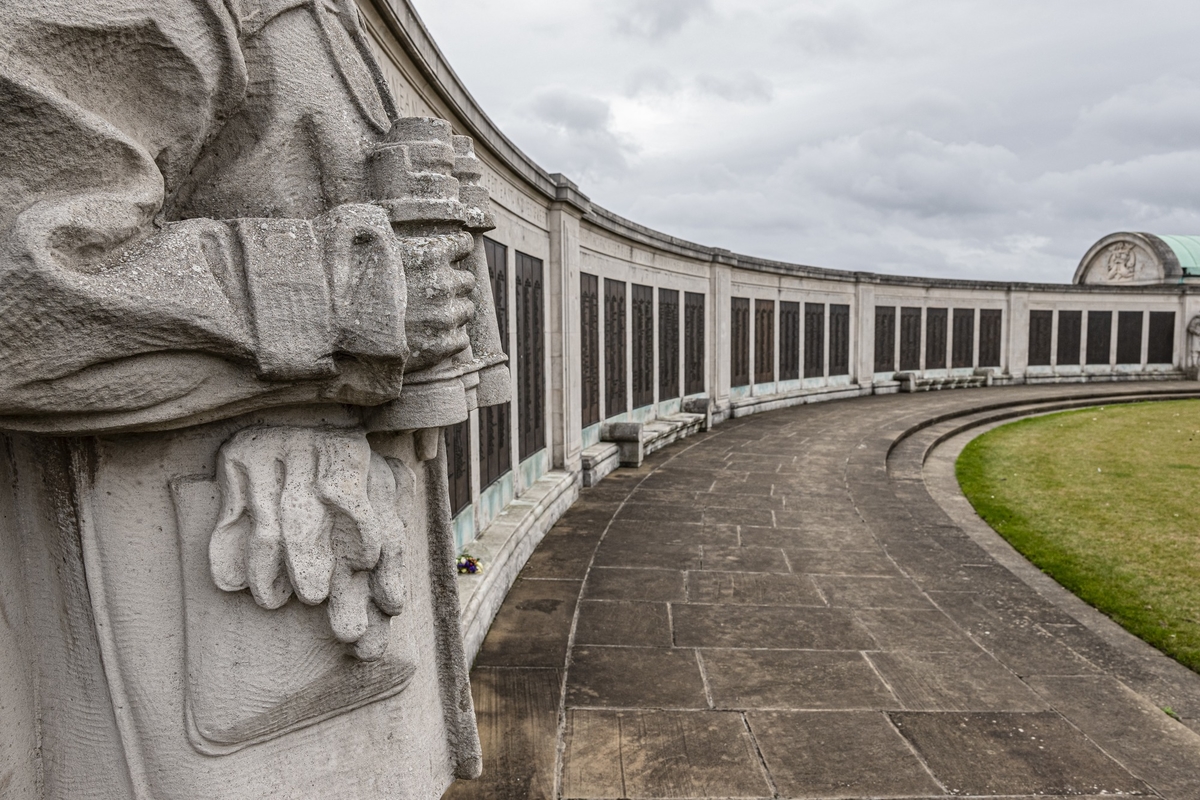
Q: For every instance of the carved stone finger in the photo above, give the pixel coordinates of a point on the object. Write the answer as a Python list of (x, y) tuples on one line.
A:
[(344, 462), (349, 598), (374, 642), (227, 548), (266, 573), (306, 524), (387, 579)]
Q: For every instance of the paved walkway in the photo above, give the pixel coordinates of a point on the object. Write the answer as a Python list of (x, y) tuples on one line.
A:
[(780, 608)]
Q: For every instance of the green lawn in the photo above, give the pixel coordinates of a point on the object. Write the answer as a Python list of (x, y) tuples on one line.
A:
[(1107, 502)]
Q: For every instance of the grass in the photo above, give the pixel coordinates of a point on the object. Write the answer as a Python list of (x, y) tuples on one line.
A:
[(1107, 502)]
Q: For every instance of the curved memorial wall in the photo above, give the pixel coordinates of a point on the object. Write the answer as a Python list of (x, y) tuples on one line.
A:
[(623, 338)]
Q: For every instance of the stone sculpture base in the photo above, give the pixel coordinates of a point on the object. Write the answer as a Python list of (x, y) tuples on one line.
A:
[(138, 678)]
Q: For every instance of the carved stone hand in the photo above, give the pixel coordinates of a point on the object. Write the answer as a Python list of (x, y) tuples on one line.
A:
[(314, 512), (436, 324)]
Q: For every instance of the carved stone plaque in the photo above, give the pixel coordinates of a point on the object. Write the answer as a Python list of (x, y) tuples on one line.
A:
[(254, 674)]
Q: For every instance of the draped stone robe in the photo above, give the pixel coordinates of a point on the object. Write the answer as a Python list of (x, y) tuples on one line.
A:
[(195, 289), (130, 131)]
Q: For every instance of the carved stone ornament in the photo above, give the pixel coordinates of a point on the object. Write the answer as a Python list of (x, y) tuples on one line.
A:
[(239, 299), (1131, 258), (1122, 264)]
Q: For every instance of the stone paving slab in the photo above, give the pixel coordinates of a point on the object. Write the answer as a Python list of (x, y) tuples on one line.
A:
[(839, 755), (1005, 753), (780, 608)]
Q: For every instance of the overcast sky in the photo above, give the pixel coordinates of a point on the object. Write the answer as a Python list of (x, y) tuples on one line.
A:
[(991, 139)]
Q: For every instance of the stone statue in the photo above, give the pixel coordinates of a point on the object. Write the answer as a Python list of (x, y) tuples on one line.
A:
[(1193, 330), (239, 298)]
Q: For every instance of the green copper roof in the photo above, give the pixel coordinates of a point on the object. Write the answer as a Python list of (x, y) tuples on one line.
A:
[(1187, 250)]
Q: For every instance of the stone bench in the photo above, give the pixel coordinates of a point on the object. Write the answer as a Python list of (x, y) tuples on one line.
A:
[(627, 444), (915, 382)]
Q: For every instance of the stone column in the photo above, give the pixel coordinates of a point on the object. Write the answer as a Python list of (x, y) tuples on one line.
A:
[(717, 337), (1016, 334), (864, 338), (566, 413)]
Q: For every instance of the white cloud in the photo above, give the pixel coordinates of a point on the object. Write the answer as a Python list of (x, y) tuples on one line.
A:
[(743, 87), (574, 130), (972, 139), (654, 19)]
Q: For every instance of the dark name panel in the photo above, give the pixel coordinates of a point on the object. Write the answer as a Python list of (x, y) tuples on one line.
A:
[(693, 342), (910, 338), (1070, 338), (668, 344), (458, 465), (814, 340), (1099, 336), (764, 341), (495, 431), (615, 401), (589, 347), (990, 342), (739, 341), (935, 338), (885, 338), (962, 340), (1129, 337), (789, 341), (1041, 332), (839, 339), (642, 300), (1160, 346), (531, 356)]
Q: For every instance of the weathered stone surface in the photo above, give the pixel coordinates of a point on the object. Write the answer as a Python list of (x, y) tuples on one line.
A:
[(1140, 734), (966, 681), (635, 677), (856, 591), (768, 626), (616, 583), (743, 559), (838, 755), (751, 588), (800, 679), (668, 754), (1011, 753), (245, 293), (517, 711), (618, 622), (532, 628)]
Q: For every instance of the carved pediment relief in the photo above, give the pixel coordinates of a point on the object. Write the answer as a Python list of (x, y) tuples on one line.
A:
[(1121, 262), (1123, 259)]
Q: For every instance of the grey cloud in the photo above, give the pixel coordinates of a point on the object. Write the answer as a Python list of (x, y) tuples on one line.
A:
[(1162, 114), (905, 169), (655, 19), (1140, 189), (570, 110), (650, 81), (746, 87), (572, 133), (841, 29)]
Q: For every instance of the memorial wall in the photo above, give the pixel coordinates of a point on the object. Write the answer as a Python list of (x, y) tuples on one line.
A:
[(611, 322)]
